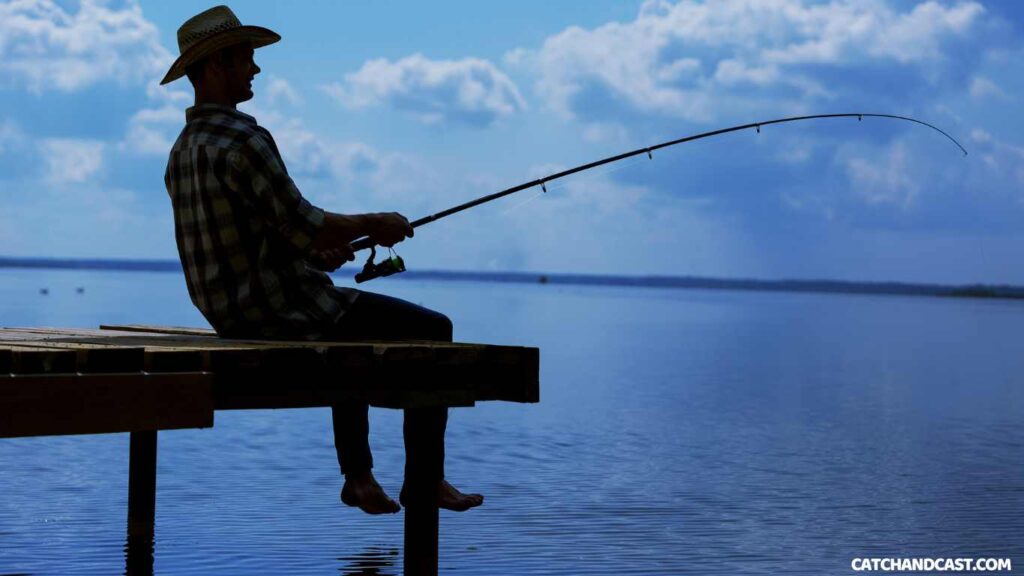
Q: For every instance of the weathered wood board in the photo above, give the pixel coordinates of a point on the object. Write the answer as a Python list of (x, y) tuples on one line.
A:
[(58, 404)]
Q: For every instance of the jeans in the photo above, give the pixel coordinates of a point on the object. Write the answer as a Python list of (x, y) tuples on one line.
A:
[(378, 317)]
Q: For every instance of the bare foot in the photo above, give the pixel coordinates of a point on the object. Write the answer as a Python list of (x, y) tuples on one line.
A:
[(363, 492), (449, 498)]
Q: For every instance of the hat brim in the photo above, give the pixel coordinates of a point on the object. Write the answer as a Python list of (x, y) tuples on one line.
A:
[(255, 35)]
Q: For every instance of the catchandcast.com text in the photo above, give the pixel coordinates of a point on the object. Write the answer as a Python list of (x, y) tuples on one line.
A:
[(931, 565)]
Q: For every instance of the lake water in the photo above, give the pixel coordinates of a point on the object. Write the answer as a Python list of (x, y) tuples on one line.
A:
[(679, 431)]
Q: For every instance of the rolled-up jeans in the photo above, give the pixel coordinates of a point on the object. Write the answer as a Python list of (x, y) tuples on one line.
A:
[(378, 317)]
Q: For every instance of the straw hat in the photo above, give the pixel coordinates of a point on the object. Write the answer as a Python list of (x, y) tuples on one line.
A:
[(209, 31)]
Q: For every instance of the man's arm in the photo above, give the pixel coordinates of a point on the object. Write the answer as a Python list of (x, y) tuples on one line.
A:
[(385, 228), (257, 172)]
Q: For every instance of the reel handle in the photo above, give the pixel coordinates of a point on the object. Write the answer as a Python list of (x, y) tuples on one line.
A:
[(387, 267)]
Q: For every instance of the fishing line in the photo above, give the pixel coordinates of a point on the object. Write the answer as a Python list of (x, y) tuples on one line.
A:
[(604, 172), (515, 207)]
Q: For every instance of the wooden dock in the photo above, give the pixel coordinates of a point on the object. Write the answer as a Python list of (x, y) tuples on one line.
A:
[(142, 379)]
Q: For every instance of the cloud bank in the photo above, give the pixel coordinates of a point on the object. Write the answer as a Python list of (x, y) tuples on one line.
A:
[(469, 91), (45, 46), (701, 61)]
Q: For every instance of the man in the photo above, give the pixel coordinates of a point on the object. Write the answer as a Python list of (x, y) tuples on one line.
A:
[(255, 252)]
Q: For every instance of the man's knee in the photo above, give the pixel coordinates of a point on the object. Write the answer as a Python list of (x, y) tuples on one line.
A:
[(442, 327)]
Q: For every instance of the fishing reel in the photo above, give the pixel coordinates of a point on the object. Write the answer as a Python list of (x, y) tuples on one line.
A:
[(392, 265)]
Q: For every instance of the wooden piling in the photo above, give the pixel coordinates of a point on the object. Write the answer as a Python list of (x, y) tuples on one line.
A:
[(424, 465), (142, 484)]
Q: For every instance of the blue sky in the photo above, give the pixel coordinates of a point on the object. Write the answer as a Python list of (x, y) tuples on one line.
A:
[(414, 107)]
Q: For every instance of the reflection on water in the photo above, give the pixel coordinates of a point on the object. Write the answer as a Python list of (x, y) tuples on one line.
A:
[(678, 432), (138, 556), (372, 562)]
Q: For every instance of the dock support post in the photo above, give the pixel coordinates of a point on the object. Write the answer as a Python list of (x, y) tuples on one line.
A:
[(424, 465), (142, 484)]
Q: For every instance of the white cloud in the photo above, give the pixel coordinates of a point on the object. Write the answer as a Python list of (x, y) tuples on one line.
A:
[(173, 93), (306, 153), (797, 150), (693, 59), (278, 90), (346, 173), (10, 135), (471, 90), (70, 160), (597, 132), (1003, 164), (44, 46), (594, 194), (151, 131), (581, 221), (982, 87), (885, 180), (981, 136), (842, 31)]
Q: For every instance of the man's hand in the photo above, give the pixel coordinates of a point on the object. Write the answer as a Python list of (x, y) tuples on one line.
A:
[(384, 228), (388, 228), (331, 259)]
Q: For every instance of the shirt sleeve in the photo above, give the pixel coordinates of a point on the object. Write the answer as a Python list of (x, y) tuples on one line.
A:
[(257, 173)]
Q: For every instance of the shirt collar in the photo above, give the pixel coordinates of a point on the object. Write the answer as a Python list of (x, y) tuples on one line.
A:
[(203, 110)]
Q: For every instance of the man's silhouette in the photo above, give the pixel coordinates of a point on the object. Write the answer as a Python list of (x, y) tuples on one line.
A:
[(255, 252)]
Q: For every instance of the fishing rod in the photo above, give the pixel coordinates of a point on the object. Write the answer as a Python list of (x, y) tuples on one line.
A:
[(394, 263)]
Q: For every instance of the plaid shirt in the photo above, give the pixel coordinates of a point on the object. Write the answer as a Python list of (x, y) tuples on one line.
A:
[(244, 231)]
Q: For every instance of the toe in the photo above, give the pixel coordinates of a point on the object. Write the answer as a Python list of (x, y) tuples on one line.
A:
[(369, 501)]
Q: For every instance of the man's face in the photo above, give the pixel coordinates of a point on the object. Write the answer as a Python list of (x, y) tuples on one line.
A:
[(239, 70)]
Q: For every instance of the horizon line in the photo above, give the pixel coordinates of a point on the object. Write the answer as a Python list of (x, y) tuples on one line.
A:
[(969, 290)]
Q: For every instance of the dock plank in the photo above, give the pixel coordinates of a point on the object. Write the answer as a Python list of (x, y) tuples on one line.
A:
[(114, 357), (98, 358), (180, 330), (33, 360)]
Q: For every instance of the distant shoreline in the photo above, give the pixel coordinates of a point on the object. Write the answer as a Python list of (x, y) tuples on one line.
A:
[(692, 282)]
